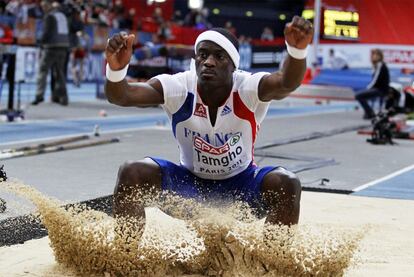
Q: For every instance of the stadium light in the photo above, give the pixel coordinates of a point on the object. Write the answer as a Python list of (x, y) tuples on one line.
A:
[(195, 4), (150, 2)]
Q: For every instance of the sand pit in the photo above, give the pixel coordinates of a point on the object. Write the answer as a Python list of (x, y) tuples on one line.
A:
[(385, 250)]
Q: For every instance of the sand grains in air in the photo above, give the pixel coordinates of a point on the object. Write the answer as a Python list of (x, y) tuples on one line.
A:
[(209, 241)]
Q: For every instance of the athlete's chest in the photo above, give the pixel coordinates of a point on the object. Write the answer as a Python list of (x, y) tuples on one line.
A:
[(199, 124)]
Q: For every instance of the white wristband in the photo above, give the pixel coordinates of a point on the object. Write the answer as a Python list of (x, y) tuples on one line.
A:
[(116, 75), (296, 53)]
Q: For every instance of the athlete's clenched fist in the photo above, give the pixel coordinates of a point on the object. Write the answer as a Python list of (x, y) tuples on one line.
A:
[(299, 32), (118, 50)]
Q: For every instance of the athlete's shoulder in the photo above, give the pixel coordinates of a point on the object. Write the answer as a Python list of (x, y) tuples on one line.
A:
[(183, 74), (185, 78), (247, 80), (241, 74), (180, 76), (180, 79)]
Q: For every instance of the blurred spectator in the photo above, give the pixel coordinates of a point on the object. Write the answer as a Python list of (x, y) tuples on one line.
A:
[(229, 27), (55, 44), (12, 7), (35, 11), (118, 7), (245, 50), (379, 85), (93, 17), (105, 17), (164, 31), (99, 15), (178, 18), (198, 19), (336, 61), (118, 13), (86, 11), (20, 10), (267, 34), (79, 53), (190, 18), (155, 41), (157, 16), (3, 4), (23, 26), (75, 25), (72, 12), (149, 60), (127, 22), (201, 20)]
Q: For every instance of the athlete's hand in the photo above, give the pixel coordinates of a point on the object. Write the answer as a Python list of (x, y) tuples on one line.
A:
[(118, 50), (299, 32)]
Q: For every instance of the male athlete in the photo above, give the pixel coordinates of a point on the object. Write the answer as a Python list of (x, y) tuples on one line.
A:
[(215, 112)]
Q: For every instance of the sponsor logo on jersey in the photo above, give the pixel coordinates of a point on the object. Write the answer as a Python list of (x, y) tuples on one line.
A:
[(234, 139), (226, 110), (222, 160), (200, 110), (224, 155), (201, 145)]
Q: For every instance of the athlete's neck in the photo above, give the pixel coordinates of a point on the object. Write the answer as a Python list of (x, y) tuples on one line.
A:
[(214, 95)]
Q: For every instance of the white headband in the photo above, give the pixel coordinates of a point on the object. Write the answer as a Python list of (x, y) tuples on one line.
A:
[(223, 42)]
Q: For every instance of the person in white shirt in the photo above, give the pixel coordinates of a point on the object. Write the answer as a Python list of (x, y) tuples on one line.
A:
[(215, 112), (336, 61)]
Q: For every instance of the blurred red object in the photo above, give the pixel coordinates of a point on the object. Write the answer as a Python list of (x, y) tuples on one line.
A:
[(407, 70), (6, 34), (310, 74), (409, 89)]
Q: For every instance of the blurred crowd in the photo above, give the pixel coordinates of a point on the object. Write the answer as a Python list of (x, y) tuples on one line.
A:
[(113, 14), (22, 17), (89, 12), (105, 13)]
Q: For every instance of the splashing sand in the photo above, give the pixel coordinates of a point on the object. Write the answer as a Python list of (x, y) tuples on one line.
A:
[(209, 241)]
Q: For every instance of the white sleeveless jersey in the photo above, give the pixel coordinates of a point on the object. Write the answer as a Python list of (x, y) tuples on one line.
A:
[(225, 149)]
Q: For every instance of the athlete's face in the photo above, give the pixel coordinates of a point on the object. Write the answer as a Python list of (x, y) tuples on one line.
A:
[(213, 64)]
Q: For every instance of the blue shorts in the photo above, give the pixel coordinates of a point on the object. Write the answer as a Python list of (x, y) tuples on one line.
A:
[(244, 186)]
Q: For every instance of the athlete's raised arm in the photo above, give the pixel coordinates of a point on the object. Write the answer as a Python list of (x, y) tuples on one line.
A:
[(278, 85), (118, 91)]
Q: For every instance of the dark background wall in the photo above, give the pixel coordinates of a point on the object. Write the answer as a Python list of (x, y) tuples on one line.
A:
[(265, 14)]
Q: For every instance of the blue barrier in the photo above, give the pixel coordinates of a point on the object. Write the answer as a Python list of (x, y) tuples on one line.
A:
[(356, 79)]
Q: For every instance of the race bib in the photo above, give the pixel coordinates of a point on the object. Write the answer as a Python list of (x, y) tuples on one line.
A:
[(221, 160)]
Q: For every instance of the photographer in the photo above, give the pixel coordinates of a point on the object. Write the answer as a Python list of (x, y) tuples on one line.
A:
[(399, 100)]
